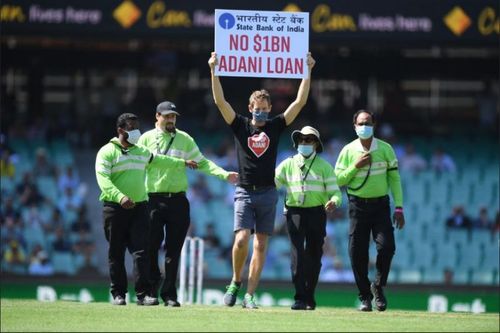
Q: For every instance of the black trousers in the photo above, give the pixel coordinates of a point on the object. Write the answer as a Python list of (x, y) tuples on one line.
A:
[(127, 229), (169, 220), (307, 231), (370, 216)]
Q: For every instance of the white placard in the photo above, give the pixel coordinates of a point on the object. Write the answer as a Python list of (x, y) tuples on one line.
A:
[(253, 43)]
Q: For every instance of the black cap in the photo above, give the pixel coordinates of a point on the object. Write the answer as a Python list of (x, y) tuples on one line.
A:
[(166, 107)]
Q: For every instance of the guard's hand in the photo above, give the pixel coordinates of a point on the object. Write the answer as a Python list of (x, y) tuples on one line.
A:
[(330, 206), (363, 160), (233, 177), (399, 220), (310, 61), (127, 203), (191, 164), (212, 62)]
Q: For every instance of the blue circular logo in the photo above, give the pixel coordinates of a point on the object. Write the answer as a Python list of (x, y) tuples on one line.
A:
[(226, 21)]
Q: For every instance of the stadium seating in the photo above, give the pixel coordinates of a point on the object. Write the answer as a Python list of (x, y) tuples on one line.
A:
[(424, 248), (37, 226)]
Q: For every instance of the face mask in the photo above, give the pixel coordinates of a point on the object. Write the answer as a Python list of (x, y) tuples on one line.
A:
[(305, 150), (364, 131), (133, 136), (259, 115)]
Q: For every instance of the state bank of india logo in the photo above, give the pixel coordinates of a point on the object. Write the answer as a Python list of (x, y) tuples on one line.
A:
[(226, 21)]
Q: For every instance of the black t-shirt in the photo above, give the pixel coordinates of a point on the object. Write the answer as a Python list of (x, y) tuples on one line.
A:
[(257, 149)]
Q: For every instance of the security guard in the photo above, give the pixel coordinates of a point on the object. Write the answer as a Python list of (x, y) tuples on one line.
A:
[(369, 168), (120, 172), (169, 207), (311, 189)]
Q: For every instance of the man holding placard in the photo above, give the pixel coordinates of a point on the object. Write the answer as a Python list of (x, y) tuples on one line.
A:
[(256, 196)]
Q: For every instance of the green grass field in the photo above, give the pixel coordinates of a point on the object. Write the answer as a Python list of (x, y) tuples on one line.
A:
[(22, 315)]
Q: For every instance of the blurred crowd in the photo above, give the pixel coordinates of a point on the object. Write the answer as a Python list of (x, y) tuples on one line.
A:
[(42, 216)]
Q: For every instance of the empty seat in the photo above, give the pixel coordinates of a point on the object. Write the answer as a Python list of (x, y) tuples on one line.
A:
[(433, 275), (215, 185), (341, 229), (20, 269), (446, 255), (410, 276), (403, 258), (63, 263), (458, 236), (218, 268), (424, 256), (280, 245), (200, 215), (393, 276), (461, 192), (34, 236), (461, 276), (282, 266), (482, 277), (483, 236), (436, 233), (438, 191), (48, 188), (491, 257), (470, 256)]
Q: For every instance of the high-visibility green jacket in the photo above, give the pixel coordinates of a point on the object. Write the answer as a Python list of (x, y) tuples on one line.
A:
[(121, 171), (182, 146), (384, 172), (313, 178)]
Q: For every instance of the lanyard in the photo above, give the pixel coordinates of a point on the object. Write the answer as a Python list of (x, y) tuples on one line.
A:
[(364, 180), (158, 144), (309, 169)]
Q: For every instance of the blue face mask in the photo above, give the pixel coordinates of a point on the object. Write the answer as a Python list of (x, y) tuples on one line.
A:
[(305, 150), (133, 136), (364, 131), (259, 115)]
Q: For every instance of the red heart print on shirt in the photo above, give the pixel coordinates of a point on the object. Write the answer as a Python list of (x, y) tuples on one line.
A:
[(258, 143)]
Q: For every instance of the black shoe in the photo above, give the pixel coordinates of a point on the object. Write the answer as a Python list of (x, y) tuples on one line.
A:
[(148, 301), (311, 306), (118, 300), (366, 304), (173, 303), (380, 300), (299, 305), (310, 303)]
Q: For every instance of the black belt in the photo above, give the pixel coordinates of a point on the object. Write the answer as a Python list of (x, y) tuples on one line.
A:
[(167, 194), (354, 198), (257, 187), (321, 208), (117, 205)]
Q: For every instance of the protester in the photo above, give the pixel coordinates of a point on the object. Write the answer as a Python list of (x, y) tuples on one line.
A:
[(256, 196)]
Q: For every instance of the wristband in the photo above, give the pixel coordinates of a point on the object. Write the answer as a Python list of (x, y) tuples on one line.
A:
[(398, 210)]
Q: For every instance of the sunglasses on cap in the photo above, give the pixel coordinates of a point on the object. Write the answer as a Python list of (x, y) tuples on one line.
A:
[(307, 139)]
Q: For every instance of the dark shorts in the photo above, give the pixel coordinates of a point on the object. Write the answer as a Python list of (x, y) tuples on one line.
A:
[(255, 210)]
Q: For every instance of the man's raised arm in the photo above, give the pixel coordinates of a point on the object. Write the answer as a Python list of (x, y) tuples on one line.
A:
[(224, 107), (294, 109)]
